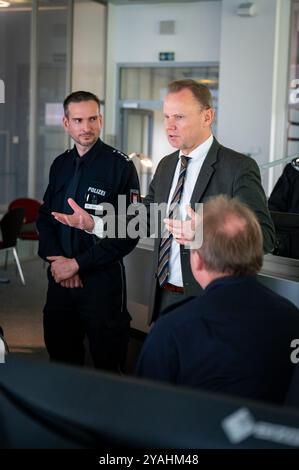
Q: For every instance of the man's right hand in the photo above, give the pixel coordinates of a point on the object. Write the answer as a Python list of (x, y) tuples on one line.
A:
[(73, 282), (79, 219)]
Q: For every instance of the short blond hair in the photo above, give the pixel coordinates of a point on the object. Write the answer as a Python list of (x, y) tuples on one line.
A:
[(200, 92), (232, 238)]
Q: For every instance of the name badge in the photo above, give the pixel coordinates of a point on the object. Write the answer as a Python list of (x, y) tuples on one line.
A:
[(94, 207)]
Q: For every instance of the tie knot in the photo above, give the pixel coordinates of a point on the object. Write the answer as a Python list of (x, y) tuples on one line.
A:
[(184, 160), (78, 162)]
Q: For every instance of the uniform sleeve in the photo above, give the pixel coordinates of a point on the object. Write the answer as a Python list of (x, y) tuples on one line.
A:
[(247, 187), (108, 250), (158, 359), (279, 199), (49, 244)]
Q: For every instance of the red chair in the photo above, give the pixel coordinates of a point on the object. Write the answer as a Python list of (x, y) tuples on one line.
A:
[(31, 208)]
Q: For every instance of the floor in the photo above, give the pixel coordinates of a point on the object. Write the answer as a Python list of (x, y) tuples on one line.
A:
[(21, 308), (21, 313)]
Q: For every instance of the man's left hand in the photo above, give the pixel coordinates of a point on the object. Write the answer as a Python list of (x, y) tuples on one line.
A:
[(183, 231), (63, 268)]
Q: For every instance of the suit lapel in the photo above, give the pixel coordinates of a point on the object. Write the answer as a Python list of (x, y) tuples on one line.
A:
[(205, 173), (164, 189)]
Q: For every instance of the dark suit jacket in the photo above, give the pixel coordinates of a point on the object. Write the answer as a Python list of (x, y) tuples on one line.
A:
[(235, 338), (224, 171)]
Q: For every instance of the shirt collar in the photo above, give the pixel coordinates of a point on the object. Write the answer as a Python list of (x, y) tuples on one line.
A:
[(201, 151)]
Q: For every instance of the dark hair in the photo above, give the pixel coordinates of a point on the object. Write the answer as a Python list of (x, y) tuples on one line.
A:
[(232, 237), (199, 91), (78, 97)]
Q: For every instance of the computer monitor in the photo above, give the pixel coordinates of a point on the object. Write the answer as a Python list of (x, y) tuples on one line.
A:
[(49, 405), (287, 234)]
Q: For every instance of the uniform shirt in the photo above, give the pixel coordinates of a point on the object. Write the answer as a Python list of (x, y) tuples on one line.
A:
[(197, 157), (106, 173)]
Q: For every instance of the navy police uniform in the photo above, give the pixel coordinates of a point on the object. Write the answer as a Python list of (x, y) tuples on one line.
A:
[(97, 310)]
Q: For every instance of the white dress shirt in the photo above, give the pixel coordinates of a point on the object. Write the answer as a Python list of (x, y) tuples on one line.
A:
[(197, 157)]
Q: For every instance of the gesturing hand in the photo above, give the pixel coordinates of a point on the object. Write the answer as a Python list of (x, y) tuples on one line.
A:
[(79, 219), (184, 231)]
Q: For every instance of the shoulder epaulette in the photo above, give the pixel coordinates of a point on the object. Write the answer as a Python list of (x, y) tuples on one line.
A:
[(122, 154)]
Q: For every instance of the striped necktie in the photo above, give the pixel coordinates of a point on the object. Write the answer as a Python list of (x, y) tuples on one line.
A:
[(167, 237)]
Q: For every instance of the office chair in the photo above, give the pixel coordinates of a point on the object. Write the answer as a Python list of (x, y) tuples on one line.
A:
[(292, 398), (10, 226), (52, 405), (31, 208)]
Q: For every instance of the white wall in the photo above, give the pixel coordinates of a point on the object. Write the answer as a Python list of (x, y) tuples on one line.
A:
[(89, 48), (249, 68), (133, 36), (197, 31), (252, 52)]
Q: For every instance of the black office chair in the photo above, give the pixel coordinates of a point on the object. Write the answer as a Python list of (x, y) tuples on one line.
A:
[(292, 398), (287, 232), (10, 226)]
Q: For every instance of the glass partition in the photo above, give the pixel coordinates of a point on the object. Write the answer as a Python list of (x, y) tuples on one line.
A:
[(36, 49), (14, 112), (293, 102), (52, 88), (150, 83), (140, 106)]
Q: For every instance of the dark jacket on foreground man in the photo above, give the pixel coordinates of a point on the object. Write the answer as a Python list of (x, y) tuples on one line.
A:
[(235, 338)]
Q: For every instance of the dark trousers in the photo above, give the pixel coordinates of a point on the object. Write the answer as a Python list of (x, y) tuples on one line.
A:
[(165, 300), (95, 311)]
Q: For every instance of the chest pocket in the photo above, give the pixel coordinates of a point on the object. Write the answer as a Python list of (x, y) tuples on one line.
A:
[(97, 194), (58, 195)]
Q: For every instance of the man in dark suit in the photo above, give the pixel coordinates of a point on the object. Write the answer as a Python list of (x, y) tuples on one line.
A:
[(210, 169), (235, 338)]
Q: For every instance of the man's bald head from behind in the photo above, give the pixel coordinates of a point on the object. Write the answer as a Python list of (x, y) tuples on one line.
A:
[(232, 242)]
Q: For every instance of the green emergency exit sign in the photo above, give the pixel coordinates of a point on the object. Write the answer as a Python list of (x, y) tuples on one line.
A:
[(166, 55)]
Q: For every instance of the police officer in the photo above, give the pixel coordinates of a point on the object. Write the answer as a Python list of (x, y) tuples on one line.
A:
[(87, 291)]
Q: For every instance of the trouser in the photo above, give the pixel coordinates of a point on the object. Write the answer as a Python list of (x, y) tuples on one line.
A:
[(165, 300), (97, 311)]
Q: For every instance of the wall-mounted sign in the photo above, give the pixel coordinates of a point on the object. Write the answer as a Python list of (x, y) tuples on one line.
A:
[(166, 55)]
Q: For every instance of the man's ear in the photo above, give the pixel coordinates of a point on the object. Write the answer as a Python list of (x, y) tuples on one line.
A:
[(65, 122), (208, 117)]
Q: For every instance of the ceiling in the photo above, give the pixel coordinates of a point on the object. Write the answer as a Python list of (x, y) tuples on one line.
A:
[(132, 2), (23, 3)]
